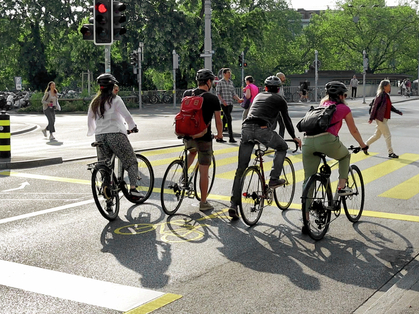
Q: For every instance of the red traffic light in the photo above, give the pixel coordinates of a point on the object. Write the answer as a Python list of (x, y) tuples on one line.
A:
[(101, 8)]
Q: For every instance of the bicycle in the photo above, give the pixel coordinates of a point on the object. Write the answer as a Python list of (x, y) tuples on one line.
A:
[(255, 191), (107, 183), (318, 202), (177, 182)]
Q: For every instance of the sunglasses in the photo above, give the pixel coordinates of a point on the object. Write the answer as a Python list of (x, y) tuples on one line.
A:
[(345, 95)]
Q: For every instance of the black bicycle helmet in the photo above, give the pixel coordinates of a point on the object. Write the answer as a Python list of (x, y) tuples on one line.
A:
[(106, 80), (273, 81), (204, 75), (335, 88)]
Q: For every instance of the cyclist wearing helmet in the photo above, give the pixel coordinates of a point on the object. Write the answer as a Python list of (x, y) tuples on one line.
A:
[(105, 118), (267, 108), (203, 145), (328, 142)]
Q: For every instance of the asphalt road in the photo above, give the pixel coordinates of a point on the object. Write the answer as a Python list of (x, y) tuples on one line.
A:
[(58, 255)]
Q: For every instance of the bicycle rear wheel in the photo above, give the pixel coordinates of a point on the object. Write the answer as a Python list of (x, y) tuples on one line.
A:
[(145, 181), (172, 189), (252, 199), (105, 193), (317, 196), (354, 204), (211, 178), (285, 194)]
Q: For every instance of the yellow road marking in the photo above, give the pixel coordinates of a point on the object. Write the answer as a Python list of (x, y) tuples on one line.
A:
[(155, 304), (405, 190)]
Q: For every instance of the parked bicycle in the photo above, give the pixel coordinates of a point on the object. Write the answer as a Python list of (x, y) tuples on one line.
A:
[(255, 191), (318, 202), (178, 182), (109, 178)]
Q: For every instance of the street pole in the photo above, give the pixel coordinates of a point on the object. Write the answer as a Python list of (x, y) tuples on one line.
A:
[(140, 59), (242, 83), (208, 41), (365, 65), (107, 58), (175, 66), (316, 75)]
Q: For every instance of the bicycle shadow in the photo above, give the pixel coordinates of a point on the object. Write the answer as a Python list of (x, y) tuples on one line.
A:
[(128, 241)]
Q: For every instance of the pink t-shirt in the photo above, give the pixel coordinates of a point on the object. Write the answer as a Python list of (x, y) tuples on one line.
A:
[(254, 90), (341, 112)]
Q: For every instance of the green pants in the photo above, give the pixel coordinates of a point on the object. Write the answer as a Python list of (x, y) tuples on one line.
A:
[(331, 146)]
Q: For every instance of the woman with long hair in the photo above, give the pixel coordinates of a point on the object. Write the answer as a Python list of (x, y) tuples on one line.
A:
[(380, 112), (49, 105), (105, 118)]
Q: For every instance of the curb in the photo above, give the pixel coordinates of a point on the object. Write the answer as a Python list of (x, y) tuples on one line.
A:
[(9, 163)]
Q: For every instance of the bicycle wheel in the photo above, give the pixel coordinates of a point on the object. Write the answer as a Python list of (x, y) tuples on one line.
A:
[(354, 204), (105, 193), (252, 199), (172, 192), (211, 178), (317, 196), (153, 99), (285, 194), (145, 181)]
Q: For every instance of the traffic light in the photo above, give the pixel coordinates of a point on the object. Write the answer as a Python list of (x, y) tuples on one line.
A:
[(87, 31), (245, 64), (240, 60), (118, 19), (134, 58), (102, 15)]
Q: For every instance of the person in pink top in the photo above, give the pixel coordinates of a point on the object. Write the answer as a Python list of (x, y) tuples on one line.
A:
[(328, 142), (250, 91)]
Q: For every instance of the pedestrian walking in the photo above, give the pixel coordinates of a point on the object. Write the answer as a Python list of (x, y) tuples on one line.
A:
[(226, 94), (250, 92), (49, 105), (354, 86), (380, 113)]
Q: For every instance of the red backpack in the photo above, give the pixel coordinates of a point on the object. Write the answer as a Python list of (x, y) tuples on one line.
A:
[(190, 120)]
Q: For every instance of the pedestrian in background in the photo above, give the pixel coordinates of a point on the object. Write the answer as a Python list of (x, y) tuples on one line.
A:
[(226, 93), (49, 105), (380, 112), (354, 86), (250, 92)]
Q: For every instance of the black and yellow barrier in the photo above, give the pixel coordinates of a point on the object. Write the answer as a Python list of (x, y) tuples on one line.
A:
[(5, 147)]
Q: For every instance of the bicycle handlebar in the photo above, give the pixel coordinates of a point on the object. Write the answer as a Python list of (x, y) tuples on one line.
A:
[(134, 130), (296, 144), (354, 149)]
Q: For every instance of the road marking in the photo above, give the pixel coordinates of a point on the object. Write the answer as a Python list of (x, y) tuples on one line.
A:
[(21, 187), (79, 289), (43, 177), (45, 211), (404, 190)]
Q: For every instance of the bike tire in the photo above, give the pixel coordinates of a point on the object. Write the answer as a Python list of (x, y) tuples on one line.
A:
[(172, 192), (284, 194), (252, 200), (153, 99), (145, 181), (211, 178), (106, 195), (167, 99), (354, 204), (317, 196)]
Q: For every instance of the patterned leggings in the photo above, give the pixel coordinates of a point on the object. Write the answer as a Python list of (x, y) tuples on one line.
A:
[(119, 144)]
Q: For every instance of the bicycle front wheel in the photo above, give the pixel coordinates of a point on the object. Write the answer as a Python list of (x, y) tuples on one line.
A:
[(172, 187), (145, 181), (105, 193), (354, 204), (317, 196), (252, 199), (211, 178), (285, 194)]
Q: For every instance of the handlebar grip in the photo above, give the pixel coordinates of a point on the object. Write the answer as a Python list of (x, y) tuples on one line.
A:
[(296, 144)]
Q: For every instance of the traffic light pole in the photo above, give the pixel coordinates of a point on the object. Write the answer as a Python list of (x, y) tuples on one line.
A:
[(365, 65), (140, 59), (108, 59), (242, 69)]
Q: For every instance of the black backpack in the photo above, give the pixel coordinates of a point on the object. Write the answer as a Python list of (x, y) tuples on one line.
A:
[(317, 120)]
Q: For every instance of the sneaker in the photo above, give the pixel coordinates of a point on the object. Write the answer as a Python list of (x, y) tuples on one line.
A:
[(220, 140), (274, 183), (232, 212), (51, 137), (345, 191), (44, 132), (135, 193), (393, 155), (205, 206), (232, 140)]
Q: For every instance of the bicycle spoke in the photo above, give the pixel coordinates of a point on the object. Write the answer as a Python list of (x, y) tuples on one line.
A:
[(354, 204)]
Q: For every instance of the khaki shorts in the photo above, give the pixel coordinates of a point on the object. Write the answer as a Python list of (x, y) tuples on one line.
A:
[(203, 148)]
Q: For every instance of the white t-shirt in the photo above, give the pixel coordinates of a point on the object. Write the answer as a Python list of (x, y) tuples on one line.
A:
[(113, 119)]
